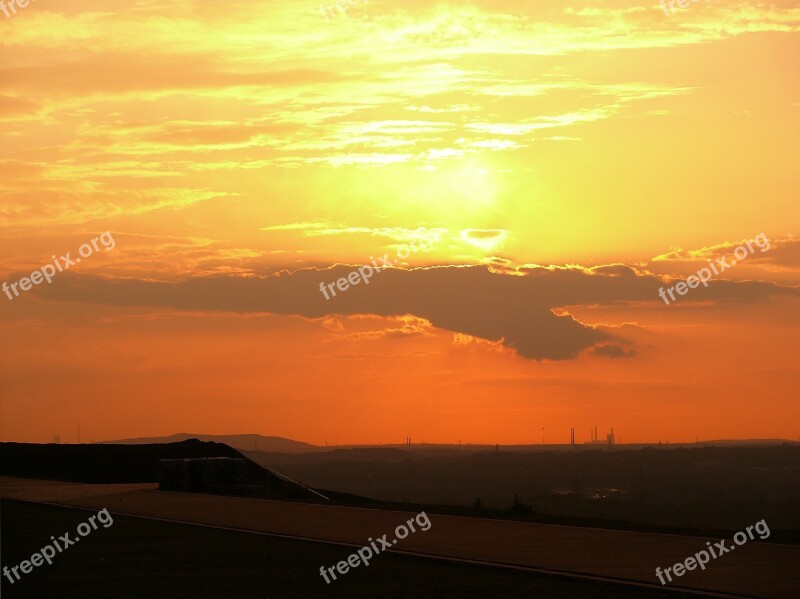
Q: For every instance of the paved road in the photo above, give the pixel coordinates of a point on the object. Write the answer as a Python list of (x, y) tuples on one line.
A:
[(754, 569)]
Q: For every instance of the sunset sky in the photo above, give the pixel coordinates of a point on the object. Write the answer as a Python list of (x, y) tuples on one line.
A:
[(562, 161)]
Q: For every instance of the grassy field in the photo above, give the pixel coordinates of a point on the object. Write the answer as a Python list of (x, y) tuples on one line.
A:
[(144, 558)]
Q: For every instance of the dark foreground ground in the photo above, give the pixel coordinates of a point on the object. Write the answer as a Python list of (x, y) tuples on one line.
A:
[(137, 557)]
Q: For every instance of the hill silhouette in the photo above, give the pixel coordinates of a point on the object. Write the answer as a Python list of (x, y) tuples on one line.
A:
[(97, 463), (249, 442)]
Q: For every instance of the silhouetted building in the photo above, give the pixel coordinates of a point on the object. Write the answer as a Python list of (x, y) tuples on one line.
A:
[(609, 442), (230, 476), (204, 475)]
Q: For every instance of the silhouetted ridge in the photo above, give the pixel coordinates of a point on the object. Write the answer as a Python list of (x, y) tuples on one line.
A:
[(190, 465), (97, 463)]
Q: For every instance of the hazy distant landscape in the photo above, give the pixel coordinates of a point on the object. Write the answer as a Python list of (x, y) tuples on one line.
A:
[(706, 486), (703, 488)]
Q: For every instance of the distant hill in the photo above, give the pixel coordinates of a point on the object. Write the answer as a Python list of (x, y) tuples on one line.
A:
[(245, 442)]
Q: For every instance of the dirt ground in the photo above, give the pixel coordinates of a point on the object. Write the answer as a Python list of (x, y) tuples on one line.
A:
[(754, 569)]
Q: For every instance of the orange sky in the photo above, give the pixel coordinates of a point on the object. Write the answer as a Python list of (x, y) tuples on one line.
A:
[(561, 160)]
